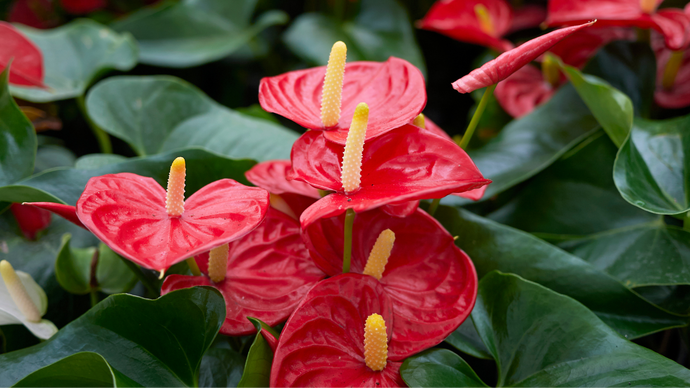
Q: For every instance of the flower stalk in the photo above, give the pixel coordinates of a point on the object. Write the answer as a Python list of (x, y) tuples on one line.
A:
[(347, 247)]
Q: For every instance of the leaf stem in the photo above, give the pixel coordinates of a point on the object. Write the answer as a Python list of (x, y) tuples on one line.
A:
[(141, 276), (94, 297), (434, 206), (476, 116), (347, 247), (102, 137)]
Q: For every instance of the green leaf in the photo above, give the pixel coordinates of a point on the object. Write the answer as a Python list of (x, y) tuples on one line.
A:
[(652, 167), (529, 145), (574, 197), (66, 185), (51, 156), (194, 32), (439, 368), (380, 30), (257, 370), (84, 369), (466, 339), (151, 342), (73, 269), (159, 114), (540, 338), (493, 246), (75, 55), (17, 137), (93, 161), (221, 368), (611, 107)]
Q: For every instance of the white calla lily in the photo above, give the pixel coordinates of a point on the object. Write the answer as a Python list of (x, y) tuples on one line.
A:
[(11, 313)]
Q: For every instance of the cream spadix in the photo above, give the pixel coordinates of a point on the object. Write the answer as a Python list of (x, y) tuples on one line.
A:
[(351, 171), (331, 94)]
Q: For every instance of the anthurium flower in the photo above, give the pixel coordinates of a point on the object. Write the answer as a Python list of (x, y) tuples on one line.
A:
[(527, 16), (31, 220), (393, 89), (671, 23), (431, 283), (65, 211), (137, 219), (23, 301), (511, 61), (482, 22), (407, 164), (673, 73), (26, 58), (340, 336), (263, 275)]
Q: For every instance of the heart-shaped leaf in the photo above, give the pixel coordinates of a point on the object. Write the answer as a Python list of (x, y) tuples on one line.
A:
[(17, 138), (84, 369), (74, 268), (493, 246), (194, 32), (380, 30), (540, 338), (221, 368), (257, 370), (66, 185), (159, 114), (168, 335), (466, 339), (651, 170), (74, 56)]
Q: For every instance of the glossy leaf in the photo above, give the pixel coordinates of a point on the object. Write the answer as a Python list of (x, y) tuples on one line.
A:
[(380, 30), (161, 113), (257, 370), (66, 185), (425, 310), (466, 339), (494, 246), (439, 368), (652, 166), (394, 91), (221, 368), (124, 325), (540, 338), (193, 32), (84, 369), (18, 141), (73, 269), (74, 56), (26, 58), (612, 109), (269, 271)]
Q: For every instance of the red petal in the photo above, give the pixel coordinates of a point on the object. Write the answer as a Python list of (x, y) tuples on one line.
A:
[(679, 95), (579, 47), (322, 344), (65, 211), (78, 7), (511, 61), (431, 282), (33, 13), (473, 195), (31, 220), (407, 164), (403, 209), (435, 129), (269, 273), (27, 61), (523, 91), (458, 20), (674, 25), (394, 91), (272, 176), (127, 212), (270, 339), (527, 16)]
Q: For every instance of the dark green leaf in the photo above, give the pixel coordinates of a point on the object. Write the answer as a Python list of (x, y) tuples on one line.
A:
[(528, 145), (152, 342), (194, 32), (257, 370), (493, 246), (221, 368), (466, 339), (159, 114), (92, 161), (611, 107), (439, 368), (74, 55), (51, 155), (17, 138), (381, 29), (84, 369), (66, 185), (112, 273), (651, 171)]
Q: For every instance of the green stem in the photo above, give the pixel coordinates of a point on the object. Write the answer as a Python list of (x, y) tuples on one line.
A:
[(347, 248), (102, 137), (477, 115), (193, 267), (94, 297), (686, 222), (434, 206), (142, 277)]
